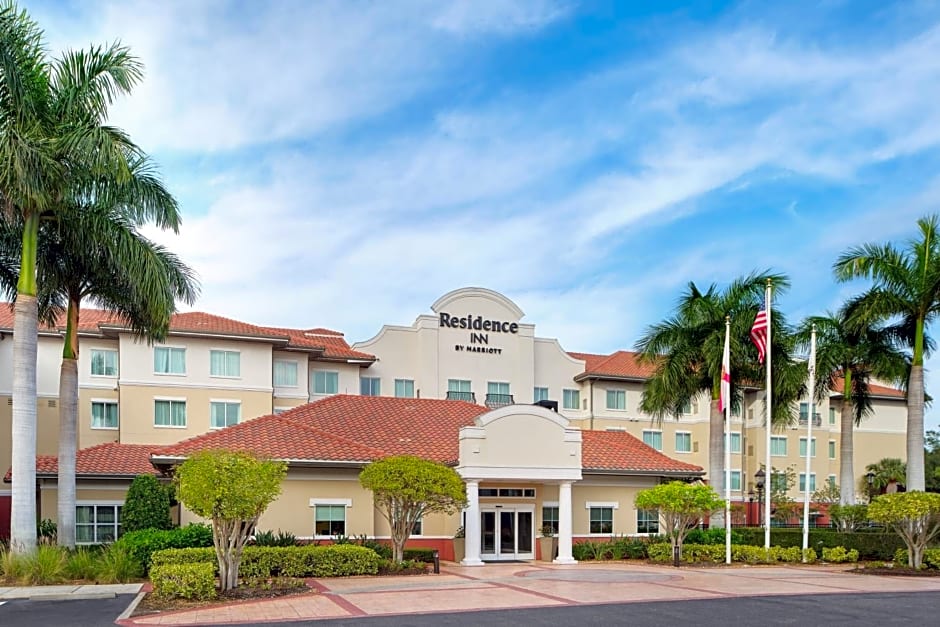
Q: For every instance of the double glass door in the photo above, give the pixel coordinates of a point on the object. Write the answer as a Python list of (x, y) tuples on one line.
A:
[(507, 533)]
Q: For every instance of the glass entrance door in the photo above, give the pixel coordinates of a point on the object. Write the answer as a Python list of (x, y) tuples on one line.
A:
[(507, 534)]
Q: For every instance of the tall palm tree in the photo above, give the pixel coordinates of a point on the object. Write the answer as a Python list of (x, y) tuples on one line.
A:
[(906, 288), (52, 128), (847, 357), (885, 472), (687, 351)]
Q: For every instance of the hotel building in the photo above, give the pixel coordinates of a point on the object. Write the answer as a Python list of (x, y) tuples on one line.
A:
[(542, 436)]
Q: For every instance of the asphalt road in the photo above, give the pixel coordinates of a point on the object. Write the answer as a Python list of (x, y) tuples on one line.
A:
[(86, 613)]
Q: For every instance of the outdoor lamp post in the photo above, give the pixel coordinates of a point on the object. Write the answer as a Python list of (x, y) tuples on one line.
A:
[(750, 506), (759, 484), (870, 478)]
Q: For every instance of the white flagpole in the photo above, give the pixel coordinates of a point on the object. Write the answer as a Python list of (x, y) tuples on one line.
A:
[(725, 394), (809, 438), (767, 404)]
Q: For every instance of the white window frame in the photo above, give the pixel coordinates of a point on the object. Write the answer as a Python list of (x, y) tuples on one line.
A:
[(832, 449), (647, 521), (96, 504), (618, 395), (551, 505), (226, 402), (653, 432), (685, 433), (832, 415), (171, 400), (779, 438), (571, 393), (331, 502), (372, 381), (170, 348), (455, 385), (733, 437), (285, 362), (117, 362), (735, 472), (812, 448), (404, 383), (613, 506), (832, 480), (537, 393), (105, 401), (313, 387), (690, 409), (225, 352), (801, 482)]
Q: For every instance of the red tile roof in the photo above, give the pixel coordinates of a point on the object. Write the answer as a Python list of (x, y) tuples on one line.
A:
[(345, 428), (332, 343), (618, 365), (108, 459), (874, 388), (613, 450)]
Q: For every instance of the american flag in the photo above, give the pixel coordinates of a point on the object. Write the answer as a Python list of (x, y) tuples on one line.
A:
[(759, 332)]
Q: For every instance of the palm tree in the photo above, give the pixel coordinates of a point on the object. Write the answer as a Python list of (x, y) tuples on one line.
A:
[(906, 289), (847, 357), (687, 351), (885, 472), (52, 128)]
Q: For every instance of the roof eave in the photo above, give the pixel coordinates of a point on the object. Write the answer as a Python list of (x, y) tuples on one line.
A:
[(296, 463), (644, 473), (584, 376)]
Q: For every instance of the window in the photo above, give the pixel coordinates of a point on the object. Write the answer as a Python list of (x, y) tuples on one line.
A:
[(168, 360), (225, 364), (602, 520), (404, 388), (683, 442), (778, 445), (804, 412), (104, 363), (104, 415), (812, 482), (285, 373), (96, 524), (458, 385), (832, 415), (571, 399), (528, 493), (812, 448), (832, 449), (330, 520), (497, 387), (735, 481), (616, 399), (224, 413), (169, 413), (778, 482), (647, 521), (550, 518), (735, 442), (539, 394), (690, 408), (418, 527), (653, 439), (325, 382), (370, 386), (832, 480), (281, 410)]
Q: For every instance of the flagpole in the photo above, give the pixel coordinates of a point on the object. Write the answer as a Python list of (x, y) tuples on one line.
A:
[(726, 400), (809, 438), (767, 406)]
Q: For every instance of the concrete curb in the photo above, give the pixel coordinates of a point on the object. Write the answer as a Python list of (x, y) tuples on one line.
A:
[(74, 596), (126, 614)]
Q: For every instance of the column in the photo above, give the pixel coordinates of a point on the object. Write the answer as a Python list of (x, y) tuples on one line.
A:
[(564, 524), (472, 526)]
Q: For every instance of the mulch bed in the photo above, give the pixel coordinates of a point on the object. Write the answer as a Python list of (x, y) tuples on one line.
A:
[(896, 571)]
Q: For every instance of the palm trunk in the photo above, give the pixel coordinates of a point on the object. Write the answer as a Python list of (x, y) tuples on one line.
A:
[(847, 444), (915, 430), (716, 456), (68, 426), (23, 502)]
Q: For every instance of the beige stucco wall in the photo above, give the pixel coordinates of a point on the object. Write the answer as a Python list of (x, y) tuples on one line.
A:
[(86, 492), (348, 378), (86, 435), (603, 489), (494, 443)]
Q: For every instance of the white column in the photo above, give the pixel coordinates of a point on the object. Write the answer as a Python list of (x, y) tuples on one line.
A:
[(472, 526), (564, 524)]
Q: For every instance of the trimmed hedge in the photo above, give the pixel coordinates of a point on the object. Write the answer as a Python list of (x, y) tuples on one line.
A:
[(141, 545), (187, 581), (336, 560), (715, 553), (871, 545)]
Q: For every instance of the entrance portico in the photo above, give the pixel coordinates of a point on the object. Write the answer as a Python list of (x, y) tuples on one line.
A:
[(518, 444)]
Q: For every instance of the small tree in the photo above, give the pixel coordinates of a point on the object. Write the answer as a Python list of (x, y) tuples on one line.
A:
[(406, 488), (781, 482), (680, 506), (848, 518), (232, 489), (147, 505), (915, 516)]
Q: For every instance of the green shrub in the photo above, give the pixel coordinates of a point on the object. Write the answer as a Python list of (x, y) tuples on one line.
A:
[(931, 558), (660, 552), (712, 536), (629, 548), (46, 531), (187, 581), (335, 560), (11, 565), (44, 566), (83, 563), (419, 555), (117, 565), (839, 554), (270, 538), (810, 555), (142, 544), (870, 544), (715, 553), (147, 505)]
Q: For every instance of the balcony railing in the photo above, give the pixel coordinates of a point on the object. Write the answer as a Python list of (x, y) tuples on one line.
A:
[(462, 396), (498, 400), (817, 420)]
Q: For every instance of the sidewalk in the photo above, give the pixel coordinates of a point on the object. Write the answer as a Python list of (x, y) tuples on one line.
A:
[(72, 592), (507, 586)]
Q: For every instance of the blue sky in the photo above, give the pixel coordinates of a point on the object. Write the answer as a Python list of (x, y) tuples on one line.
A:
[(343, 164)]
